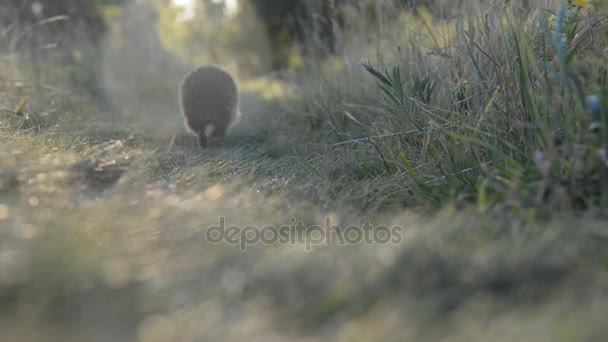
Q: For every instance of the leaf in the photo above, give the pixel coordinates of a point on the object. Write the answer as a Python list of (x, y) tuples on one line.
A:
[(20, 107)]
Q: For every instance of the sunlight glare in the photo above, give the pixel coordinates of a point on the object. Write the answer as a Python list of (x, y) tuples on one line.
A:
[(188, 6)]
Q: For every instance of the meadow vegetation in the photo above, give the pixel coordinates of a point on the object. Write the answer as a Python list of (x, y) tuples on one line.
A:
[(477, 127)]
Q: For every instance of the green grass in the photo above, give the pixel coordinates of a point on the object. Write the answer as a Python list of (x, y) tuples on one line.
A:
[(486, 153)]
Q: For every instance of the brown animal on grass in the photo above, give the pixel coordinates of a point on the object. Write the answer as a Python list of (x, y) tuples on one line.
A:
[(209, 99)]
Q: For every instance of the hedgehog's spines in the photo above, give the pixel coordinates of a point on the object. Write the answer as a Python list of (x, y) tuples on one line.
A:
[(209, 102)]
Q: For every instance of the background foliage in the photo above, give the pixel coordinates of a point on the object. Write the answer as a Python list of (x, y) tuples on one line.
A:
[(477, 126)]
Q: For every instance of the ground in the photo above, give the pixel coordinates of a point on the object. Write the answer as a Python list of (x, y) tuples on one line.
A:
[(105, 237)]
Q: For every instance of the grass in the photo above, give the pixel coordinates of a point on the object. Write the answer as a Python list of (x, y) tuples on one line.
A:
[(484, 157)]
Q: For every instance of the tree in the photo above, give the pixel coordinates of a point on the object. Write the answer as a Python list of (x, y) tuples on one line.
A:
[(211, 34), (64, 33), (314, 24)]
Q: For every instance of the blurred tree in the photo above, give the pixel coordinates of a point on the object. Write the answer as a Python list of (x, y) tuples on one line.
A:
[(314, 24), (212, 34), (279, 20), (82, 17), (318, 26), (66, 33)]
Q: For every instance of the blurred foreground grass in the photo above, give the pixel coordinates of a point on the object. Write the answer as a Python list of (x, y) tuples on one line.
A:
[(473, 146), (103, 238)]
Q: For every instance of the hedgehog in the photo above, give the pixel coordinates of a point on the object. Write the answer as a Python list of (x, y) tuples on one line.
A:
[(209, 99)]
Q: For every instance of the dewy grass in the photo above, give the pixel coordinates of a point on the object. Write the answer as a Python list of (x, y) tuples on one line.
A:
[(527, 97), (478, 141)]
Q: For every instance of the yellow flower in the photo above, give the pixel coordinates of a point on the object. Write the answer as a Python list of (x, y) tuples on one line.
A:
[(581, 3), (551, 22)]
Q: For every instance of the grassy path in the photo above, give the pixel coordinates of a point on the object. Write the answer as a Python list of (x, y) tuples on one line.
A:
[(105, 236)]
